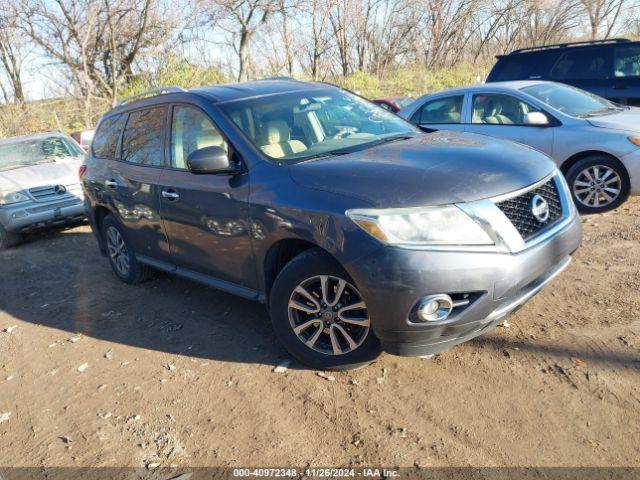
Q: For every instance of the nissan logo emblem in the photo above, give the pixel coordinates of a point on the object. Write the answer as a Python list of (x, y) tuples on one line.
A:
[(60, 189), (539, 208)]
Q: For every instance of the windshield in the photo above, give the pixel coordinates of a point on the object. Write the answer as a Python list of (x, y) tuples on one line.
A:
[(305, 125), (570, 100), (28, 152)]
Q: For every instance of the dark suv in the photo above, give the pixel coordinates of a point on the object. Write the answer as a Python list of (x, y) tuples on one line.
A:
[(358, 231), (609, 68)]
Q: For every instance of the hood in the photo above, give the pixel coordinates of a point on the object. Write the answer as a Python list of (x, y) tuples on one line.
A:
[(59, 172), (628, 120), (430, 169)]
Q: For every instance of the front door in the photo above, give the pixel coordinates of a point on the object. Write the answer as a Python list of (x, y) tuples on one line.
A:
[(625, 84), (133, 180), (205, 216), (440, 114), (502, 116)]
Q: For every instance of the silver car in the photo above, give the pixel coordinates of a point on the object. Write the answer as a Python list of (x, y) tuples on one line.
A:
[(39, 185), (595, 142)]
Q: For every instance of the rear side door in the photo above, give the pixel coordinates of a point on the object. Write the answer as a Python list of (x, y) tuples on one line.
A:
[(502, 115), (206, 216), (589, 68), (625, 84), (443, 113), (133, 181)]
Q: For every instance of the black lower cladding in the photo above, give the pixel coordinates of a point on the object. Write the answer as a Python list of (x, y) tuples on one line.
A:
[(518, 209)]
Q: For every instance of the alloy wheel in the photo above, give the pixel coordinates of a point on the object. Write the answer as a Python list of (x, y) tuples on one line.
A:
[(328, 315), (597, 186), (118, 251)]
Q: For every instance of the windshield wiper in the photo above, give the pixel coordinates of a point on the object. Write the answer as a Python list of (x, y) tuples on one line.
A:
[(601, 111), (322, 155), (356, 148), (392, 138)]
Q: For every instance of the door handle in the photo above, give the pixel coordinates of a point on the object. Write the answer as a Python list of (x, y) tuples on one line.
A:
[(620, 87), (111, 183), (170, 195)]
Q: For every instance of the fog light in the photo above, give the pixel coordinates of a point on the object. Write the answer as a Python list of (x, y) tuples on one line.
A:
[(435, 308)]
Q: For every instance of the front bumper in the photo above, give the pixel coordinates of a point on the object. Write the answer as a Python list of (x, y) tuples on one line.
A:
[(393, 281), (632, 164), (22, 218)]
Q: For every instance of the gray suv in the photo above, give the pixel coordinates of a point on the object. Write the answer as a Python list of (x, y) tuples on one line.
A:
[(39, 186), (360, 232)]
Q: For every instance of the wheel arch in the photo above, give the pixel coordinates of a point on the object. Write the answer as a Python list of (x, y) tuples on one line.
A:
[(280, 254), (576, 157), (99, 213)]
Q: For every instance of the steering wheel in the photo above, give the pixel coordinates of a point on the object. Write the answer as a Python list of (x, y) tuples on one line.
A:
[(344, 131)]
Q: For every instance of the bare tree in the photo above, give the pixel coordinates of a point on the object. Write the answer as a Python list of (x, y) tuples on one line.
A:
[(97, 40), (241, 19), (602, 13), (12, 52)]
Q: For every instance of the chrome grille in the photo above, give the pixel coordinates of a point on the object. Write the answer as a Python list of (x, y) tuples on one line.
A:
[(518, 209)]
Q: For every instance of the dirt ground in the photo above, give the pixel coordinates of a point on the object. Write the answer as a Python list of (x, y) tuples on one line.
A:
[(97, 373)]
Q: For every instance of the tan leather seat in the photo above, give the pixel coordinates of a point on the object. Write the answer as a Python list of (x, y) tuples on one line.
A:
[(275, 140)]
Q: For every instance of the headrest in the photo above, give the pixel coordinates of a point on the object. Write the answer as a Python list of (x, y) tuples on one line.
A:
[(275, 132)]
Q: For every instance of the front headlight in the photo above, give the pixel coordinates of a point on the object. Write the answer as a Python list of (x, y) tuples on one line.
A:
[(13, 197), (443, 226)]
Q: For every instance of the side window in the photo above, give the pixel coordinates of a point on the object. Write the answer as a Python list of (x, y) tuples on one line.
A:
[(627, 62), (587, 64), (105, 142), (442, 110), (499, 109), (142, 140), (191, 130)]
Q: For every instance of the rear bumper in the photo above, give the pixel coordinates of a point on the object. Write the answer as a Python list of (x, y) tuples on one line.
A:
[(393, 282), (33, 216)]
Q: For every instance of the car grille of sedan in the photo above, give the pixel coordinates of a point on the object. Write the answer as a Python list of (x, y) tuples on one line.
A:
[(519, 209)]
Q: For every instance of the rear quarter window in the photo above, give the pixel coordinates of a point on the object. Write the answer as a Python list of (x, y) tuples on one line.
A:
[(105, 141)]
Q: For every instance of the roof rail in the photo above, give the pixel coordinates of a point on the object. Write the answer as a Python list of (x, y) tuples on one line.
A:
[(149, 93), (281, 77), (572, 44)]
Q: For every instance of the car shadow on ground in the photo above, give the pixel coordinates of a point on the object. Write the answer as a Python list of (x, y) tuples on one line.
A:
[(576, 352), (61, 281)]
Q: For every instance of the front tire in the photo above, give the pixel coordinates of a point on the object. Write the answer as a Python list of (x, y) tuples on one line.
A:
[(319, 315), (9, 239), (598, 184), (120, 253)]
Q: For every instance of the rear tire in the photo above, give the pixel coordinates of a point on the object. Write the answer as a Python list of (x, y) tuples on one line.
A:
[(598, 184), (9, 239), (338, 333), (120, 253)]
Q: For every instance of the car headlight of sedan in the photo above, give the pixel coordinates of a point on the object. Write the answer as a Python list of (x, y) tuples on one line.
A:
[(12, 197), (446, 225)]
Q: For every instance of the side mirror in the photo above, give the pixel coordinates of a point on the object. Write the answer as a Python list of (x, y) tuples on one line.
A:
[(536, 119), (211, 160)]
